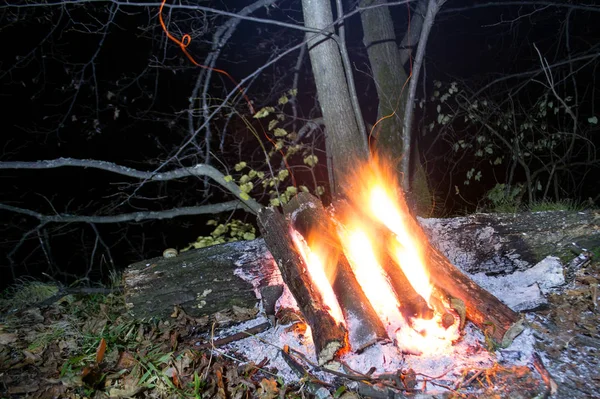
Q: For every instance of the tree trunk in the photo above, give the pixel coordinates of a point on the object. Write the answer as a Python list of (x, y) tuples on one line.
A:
[(391, 80), (344, 143)]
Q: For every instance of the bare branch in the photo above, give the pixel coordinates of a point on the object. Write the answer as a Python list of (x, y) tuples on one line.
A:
[(433, 6), (557, 4), (196, 170), (127, 217)]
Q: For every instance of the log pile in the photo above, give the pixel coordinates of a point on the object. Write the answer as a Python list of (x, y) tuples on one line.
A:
[(305, 214)]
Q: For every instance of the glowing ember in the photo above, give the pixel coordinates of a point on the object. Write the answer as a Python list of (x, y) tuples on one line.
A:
[(427, 337), (317, 269)]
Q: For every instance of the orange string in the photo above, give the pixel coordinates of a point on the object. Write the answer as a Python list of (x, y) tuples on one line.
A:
[(185, 42)]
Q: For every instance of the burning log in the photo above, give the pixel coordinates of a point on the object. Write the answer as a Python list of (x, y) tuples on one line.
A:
[(412, 304), (329, 336), (377, 196), (308, 215)]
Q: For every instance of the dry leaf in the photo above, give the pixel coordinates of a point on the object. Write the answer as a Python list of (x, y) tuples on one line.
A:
[(268, 389)]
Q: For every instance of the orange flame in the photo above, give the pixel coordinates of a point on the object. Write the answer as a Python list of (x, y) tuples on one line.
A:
[(318, 264), (376, 197), (369, 274), (376, 193)]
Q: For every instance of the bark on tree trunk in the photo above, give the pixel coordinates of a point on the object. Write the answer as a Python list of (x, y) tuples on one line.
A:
[(345, 145), (391, 80)]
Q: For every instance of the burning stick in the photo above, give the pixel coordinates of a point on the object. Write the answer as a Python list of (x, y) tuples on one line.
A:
[(308, 216), (412, 305), (329, 336)]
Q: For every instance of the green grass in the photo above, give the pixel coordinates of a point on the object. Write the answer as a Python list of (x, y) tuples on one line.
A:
[(560, 205)]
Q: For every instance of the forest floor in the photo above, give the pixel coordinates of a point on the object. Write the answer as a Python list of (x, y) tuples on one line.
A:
[(85, 346)]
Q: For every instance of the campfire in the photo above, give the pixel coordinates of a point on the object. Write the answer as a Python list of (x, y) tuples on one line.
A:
[(363, 272)]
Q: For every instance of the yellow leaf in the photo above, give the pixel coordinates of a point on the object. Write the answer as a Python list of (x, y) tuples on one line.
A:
[(273, 123), (279, 132), (244, 196), (311, 160), (228, 178), (283, 100), (264, 112)]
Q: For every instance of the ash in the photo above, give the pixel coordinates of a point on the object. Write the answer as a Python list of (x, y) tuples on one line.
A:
[(469, 353)]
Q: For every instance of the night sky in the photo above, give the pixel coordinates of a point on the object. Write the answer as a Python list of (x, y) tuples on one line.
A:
[(97, 81)]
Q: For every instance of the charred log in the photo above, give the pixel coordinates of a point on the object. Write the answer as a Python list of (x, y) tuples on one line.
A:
[(308, 216), (329, 337), (486, 311)]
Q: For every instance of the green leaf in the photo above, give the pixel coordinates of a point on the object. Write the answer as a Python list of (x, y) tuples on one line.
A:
[(228, 178), (283, 174)]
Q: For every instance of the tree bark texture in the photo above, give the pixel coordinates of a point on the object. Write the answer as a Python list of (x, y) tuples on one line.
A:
[(202, 282), (344, 143), (389, 76), (501, 243), (391, 80)]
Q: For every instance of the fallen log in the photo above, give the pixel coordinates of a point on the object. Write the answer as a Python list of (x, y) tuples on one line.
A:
[(482, 308), (328, 335), (492, 243), (308, 216)]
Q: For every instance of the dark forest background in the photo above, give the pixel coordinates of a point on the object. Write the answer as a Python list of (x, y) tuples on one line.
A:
[(506, 119)]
